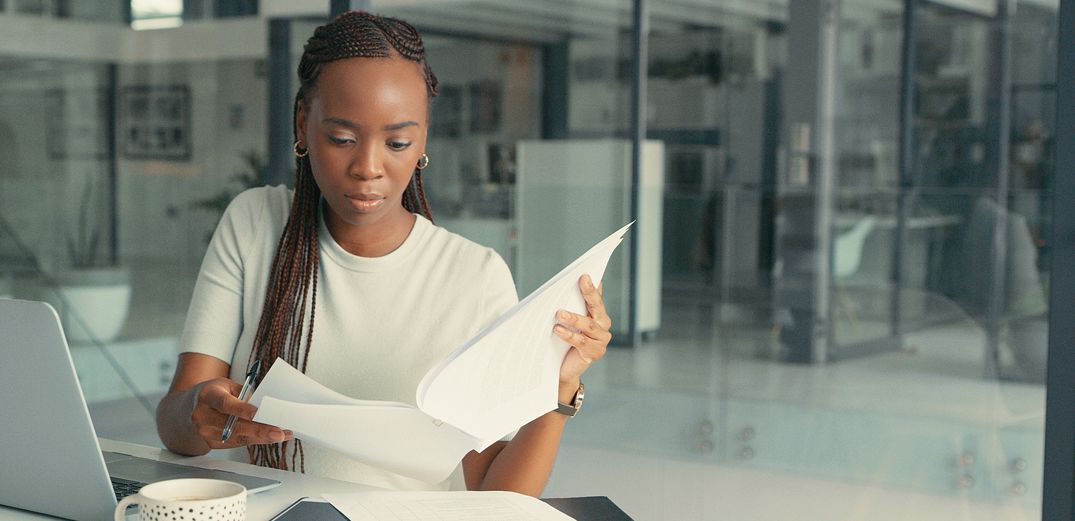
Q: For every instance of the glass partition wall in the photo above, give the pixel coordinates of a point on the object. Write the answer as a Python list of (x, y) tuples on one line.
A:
[(842, 260), (123, 148)]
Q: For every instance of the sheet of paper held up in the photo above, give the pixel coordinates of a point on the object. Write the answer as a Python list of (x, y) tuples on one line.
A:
[(443, 506), (499, 380), (508, 374)]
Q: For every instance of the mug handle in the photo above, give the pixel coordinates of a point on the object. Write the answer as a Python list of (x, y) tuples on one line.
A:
[(121, 508)]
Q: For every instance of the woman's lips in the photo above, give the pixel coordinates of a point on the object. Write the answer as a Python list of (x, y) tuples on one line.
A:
[(365, 202)]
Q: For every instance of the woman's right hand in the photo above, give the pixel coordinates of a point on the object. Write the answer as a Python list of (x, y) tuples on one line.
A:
[(191, 417), (214, 401)]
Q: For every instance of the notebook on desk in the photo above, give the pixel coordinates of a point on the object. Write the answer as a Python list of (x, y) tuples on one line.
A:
[(52, 461)]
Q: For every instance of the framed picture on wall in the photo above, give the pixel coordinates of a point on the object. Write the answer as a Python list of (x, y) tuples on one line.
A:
[(77, 125), (155, 122)]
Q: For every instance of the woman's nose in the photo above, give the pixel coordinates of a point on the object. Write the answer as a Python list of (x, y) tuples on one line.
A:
[(367, 164)]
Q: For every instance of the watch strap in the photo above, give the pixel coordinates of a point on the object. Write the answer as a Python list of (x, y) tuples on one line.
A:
[(571, 409), (565, 409)]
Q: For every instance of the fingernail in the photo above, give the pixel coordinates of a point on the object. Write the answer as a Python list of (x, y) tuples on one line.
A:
[(588, 283), (276, 436), (560, 329), (564, 315)]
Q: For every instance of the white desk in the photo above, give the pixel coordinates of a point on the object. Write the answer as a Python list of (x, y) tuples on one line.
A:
[(260, 506)]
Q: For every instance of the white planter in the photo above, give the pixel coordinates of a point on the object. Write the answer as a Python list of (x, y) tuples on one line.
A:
[(95, 304)]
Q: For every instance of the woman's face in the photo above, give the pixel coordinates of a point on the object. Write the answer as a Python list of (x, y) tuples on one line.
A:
[(365, 128)]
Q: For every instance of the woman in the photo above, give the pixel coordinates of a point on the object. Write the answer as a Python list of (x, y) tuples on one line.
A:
[(389, 292)]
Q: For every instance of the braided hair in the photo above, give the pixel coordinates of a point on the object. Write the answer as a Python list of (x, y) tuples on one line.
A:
[(294, 270)]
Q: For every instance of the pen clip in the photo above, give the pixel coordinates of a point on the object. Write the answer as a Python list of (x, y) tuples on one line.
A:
[(254, 369)]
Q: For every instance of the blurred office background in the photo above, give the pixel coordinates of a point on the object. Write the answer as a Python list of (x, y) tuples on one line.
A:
[(834, 302)]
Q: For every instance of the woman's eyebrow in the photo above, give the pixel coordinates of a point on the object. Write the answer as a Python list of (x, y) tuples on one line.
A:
[(397, 126), (351, 124)]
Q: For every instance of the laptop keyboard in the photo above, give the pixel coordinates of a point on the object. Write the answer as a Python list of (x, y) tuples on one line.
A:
[(124, 488)]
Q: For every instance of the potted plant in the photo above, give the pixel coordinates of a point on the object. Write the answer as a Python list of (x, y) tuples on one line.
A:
[(95, 292)]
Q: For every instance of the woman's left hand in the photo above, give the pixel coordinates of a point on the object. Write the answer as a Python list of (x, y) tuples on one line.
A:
[(591, 340)]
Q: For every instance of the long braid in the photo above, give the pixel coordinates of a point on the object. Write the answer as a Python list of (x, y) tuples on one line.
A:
[(423, 204), (292, 285)]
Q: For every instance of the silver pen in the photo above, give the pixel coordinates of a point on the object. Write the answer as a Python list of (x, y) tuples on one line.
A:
[(247, 385)]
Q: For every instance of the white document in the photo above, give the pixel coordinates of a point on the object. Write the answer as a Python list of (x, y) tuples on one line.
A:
[(391, 435), (498, 381), (443, 506)]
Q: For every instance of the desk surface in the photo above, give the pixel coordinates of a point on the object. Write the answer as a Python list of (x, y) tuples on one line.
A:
[(265, 505)]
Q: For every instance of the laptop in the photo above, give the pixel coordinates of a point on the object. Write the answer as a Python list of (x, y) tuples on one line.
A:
[(50, 459)]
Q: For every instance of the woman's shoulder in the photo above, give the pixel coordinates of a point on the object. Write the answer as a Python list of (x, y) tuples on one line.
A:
[(273, 198), (467, 255), (255, 211), (454, 245), (259, 206)]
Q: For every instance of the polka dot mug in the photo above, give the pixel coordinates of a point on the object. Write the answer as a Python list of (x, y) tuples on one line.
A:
[(187, 500)]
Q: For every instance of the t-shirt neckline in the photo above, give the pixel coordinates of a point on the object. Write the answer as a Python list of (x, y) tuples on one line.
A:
[(334, 252)]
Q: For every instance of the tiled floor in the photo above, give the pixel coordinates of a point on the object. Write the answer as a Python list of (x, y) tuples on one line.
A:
[(912, 433)]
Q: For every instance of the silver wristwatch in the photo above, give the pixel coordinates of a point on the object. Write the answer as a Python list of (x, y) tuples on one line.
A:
[(571, 409)]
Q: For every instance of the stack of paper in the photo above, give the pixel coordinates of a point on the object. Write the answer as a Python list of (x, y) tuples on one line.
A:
[(499, 380)]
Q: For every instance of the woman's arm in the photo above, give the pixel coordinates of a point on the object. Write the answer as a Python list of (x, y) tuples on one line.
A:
[(191, 417), (523, 464)]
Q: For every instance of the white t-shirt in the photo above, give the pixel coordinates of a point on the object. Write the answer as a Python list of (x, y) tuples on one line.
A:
[(380, 323)]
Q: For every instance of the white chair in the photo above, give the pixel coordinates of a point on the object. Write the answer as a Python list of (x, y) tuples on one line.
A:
[(847, 257), (847, 247)]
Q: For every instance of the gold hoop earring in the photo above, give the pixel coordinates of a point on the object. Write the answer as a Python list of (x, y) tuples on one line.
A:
[(423, 162), (304, 152)]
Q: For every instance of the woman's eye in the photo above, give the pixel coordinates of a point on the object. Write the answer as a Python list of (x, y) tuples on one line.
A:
[(339, 140), (398, 145)]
